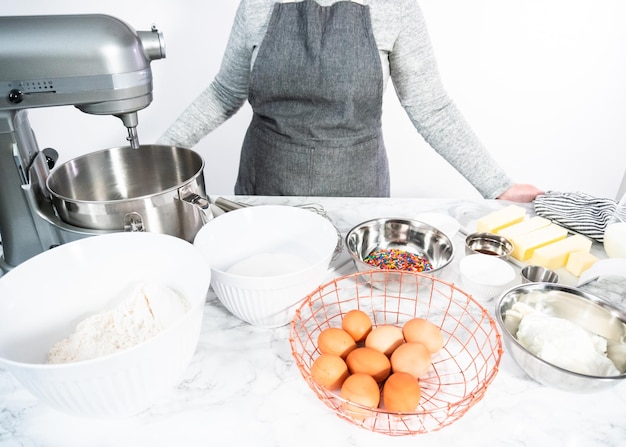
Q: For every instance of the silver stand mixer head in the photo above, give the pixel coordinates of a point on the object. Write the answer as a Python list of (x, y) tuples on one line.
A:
[(94, 62)]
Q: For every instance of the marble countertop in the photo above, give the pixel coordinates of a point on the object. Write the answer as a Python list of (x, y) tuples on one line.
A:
[(244, 388)]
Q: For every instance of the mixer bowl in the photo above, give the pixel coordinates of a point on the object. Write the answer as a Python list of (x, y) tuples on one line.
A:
[(122, 189)]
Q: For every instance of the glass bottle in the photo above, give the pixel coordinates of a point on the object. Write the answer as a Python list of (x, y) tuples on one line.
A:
[(615, 232)]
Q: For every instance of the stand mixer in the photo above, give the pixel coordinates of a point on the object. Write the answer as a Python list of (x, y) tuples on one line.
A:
[(96, 63)]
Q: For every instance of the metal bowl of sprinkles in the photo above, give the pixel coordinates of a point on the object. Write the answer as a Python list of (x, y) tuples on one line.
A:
[(399, 244)]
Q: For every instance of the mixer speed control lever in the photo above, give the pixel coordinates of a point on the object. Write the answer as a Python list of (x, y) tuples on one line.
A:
[(16, 96)]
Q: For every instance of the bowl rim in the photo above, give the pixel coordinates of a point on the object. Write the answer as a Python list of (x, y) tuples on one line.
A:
[(129, 352), (195, 306), (356, 258), (329, 227), (511, 339), (502, 241)]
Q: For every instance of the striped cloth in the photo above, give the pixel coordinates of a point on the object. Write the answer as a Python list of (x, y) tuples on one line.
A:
[(578, 212)]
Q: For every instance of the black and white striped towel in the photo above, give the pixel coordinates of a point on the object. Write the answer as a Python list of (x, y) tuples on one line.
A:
[(577, 211)]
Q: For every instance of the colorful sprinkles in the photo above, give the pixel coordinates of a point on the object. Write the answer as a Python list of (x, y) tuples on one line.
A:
[(396, 259)]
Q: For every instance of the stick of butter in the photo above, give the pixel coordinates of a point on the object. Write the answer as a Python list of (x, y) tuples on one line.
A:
[(555, 255), (525, 226), (579, 261), (501, 218), (525, 244)]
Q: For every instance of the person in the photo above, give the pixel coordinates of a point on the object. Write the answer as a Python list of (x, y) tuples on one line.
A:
[(314, 73)]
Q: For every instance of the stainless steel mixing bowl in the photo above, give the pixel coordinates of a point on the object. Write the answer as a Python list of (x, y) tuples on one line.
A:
[(587, 311), (410, 235), (154, 188)]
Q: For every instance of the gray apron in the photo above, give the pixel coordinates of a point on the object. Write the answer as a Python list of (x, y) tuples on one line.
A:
[(316, 92)]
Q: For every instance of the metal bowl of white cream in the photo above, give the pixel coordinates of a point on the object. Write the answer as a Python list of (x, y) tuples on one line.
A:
[(564, 337)]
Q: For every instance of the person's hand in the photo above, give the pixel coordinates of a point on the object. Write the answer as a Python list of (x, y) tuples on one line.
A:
[(521, 193)]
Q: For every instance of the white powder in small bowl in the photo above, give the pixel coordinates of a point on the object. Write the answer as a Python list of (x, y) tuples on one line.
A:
[(269, 264)]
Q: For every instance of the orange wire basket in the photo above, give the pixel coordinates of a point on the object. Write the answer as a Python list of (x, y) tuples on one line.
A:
[(461, 371)]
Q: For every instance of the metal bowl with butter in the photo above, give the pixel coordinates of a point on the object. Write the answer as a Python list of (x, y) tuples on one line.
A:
[(562, 313)]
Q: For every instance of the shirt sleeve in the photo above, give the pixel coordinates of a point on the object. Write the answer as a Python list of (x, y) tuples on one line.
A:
[(418, 84), (223, 97)]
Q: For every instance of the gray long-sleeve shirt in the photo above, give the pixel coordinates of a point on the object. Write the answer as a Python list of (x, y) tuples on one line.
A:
[(407, 58)]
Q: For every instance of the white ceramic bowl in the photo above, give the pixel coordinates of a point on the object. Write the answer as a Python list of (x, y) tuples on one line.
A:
[(266, 294), (485, 276), (42, 300)]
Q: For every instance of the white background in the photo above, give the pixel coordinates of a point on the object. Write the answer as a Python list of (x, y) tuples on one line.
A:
[(543, 83)]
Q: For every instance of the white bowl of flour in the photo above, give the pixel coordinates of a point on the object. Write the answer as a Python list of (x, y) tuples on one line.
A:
[(106, 325)]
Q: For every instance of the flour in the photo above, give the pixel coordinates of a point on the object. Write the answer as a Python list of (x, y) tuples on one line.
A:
[(148, 310)]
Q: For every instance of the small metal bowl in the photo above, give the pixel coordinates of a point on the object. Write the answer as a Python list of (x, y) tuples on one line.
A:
[(410, 235), (488, 244), (537, 273), (593, 314)]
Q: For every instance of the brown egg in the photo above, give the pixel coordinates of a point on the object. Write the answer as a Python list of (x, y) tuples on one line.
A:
[(385, 338), (329, 371), (423, 331), (357, 323), (369, 361), (335, 341), (401, 393), (411, 358), (361, 389)]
